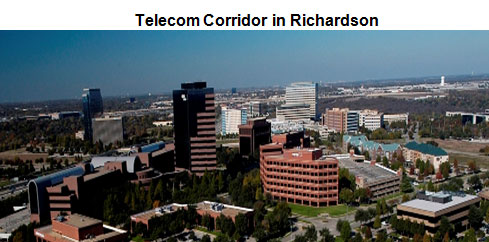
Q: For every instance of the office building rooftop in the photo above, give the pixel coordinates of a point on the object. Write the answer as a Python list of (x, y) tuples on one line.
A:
[(436, 202), (366, 170)]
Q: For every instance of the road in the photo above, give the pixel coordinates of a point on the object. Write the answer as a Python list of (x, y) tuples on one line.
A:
[(4, 194), (320, 222), (15, 220)]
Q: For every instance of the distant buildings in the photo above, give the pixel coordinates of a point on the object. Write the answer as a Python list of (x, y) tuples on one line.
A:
[(92, 108), (163, 123), (341, 120), (428, 208), (280, 127), (370, 119), (231, 119), (255, 109), (255, 132), (473, 118), (292, 139), (108, 130), (194, 127), (80, 135), (77, 227), (425, 152), (66, 114), (303, 93), (348, 121), (299, 175), (373, 148), (300, 102), (335, 119), (398, 117)]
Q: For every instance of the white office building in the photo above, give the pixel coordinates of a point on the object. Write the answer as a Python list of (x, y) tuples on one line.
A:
[(371, 119), (300, 93), (396, 117), (231, 118), (293, 112)]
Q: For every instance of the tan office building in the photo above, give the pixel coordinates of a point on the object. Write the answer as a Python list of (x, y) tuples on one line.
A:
[(429, 208)]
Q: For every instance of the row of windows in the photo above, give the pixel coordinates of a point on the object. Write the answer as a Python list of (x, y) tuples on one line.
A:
[(334, 195), (305, 166), (323, 188), (321, 174), (298, 179), (384, 186)]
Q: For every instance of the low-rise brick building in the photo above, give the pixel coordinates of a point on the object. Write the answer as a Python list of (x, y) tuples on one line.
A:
[(76, 227)]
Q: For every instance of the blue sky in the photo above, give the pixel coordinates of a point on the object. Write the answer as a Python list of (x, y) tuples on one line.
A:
[(42, 65)]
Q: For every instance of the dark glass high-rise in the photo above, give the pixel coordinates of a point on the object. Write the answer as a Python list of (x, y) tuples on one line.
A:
[(92, 107), (195, 127)]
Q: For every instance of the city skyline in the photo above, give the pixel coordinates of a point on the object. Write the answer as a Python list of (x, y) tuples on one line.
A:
[(60, 63)]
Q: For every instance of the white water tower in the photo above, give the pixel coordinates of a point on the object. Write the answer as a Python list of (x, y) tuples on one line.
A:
[(442, 83)]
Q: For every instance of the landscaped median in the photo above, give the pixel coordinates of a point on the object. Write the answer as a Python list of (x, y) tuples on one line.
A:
[(315, 211)]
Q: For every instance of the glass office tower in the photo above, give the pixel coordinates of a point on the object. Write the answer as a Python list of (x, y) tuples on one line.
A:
[(92, 107), (195, 127)]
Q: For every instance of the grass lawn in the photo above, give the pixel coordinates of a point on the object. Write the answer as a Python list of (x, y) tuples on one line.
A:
[(314, 211), (463, 159), (138, 239), (4, 183), (392, 196), (207, 231), (338, 239)]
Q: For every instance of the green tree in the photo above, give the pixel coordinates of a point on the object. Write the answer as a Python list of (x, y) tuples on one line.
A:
[(311, 234), (326, 236), (475, 217), (377, 222), (367, 155), (406, 186), (385, 161), (475, 182), (470, 236), (222, 238), (345, 231), (362, 215), (381, 236), (445, 226), (225, 225), (241, 222), (362, 195), (346, 196), (368, 233), (487, 216), (207, 222), (357, 238), (405, 198), (430, 187)]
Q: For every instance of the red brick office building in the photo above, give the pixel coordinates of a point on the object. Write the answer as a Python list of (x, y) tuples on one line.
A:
[(299, 175), (77, 227)]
